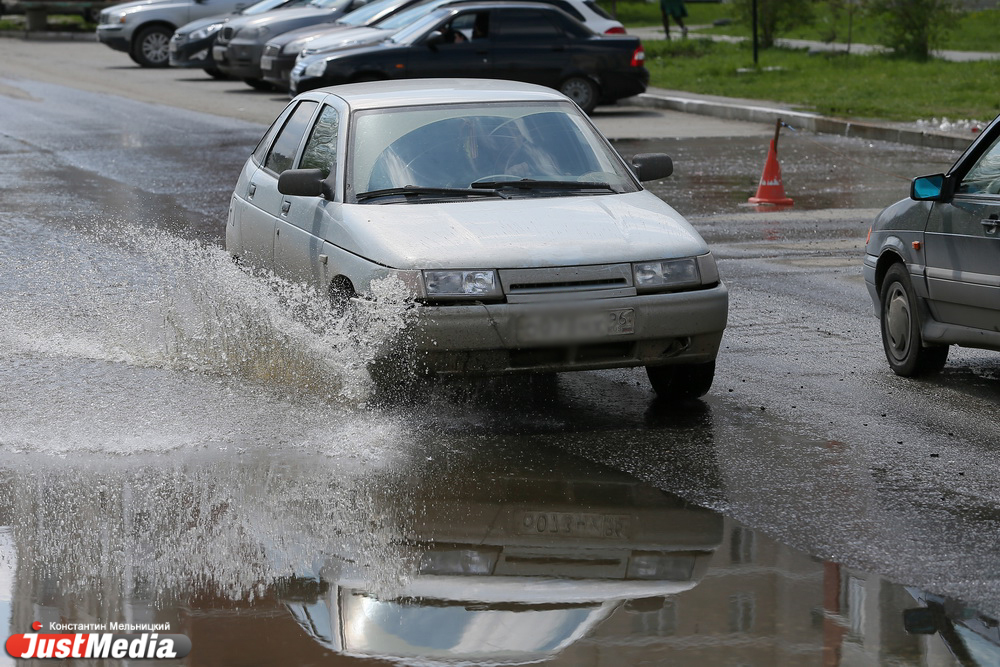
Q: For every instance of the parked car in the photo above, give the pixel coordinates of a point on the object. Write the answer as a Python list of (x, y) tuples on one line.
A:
[(240, 43), (530, 42), (281, 53), (362, 26), (143, 29), (526, 242), (932, 263), (191, 45)]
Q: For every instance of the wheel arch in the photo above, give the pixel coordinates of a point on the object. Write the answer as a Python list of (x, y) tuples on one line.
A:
[(152, 23)]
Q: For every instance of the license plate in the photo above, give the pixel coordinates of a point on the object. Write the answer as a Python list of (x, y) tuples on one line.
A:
[(266, 62), (219, 53), (567, 327), (172, 47), (574, 524)]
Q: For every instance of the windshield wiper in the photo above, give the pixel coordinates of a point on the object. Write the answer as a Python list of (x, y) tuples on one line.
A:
[(530, 184), (417, 191)]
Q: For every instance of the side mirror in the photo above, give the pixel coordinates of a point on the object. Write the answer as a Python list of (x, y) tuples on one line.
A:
[(652, 166), (928, 188), (303, 183), (433, 39)]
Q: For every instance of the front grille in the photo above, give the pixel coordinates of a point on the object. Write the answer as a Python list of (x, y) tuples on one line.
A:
[(571, 285), (566, 279), (225, 34)]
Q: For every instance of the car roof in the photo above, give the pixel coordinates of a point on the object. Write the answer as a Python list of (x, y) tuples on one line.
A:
[(417, 92)]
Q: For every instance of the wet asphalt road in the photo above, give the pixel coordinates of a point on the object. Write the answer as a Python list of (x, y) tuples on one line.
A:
[(174, 449)]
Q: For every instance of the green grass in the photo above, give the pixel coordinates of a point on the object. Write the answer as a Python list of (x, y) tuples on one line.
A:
[(841, 85), (638, 13), (976, 31), (58, 22)]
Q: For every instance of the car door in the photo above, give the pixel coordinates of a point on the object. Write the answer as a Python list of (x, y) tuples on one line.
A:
[(303, 224), (465, 52), (265, 205), (962, 247), (530, 45)]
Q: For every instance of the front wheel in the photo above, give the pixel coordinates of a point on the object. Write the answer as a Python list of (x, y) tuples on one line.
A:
[(904, 348), (581, 90), (152, 46), (681, 381)]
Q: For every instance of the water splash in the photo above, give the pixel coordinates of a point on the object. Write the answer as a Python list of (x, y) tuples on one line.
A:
[(146, 298)]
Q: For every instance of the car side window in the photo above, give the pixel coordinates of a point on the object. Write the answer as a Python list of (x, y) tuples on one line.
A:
[(528, 24), (282, 152), (260, 152), (984, 177), (321, 149)]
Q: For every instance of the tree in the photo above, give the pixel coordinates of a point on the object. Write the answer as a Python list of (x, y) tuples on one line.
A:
[(913, 28), (775, 16)]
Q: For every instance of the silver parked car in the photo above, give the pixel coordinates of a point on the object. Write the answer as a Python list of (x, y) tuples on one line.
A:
[(526, 241), (932, 264)]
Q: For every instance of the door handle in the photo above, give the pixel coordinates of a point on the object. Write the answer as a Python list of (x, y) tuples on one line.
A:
[(991, 223), (252, 189), (285, 205)]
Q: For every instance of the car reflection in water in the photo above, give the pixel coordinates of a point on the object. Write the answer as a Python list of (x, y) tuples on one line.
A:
[(514, 566), (972, 637)]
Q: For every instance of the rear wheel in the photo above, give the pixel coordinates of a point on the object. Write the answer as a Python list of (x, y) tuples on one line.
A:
[(680, 381), (581, 90), (152, 46), (904, 348)]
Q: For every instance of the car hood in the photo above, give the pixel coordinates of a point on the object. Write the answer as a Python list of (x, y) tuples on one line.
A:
[(188, 28), (287, 18), (531, 232), (341, 39)]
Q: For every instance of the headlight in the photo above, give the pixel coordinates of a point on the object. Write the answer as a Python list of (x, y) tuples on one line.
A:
[(667, 273), (479, 284), (254, 34), (205, 32), (295, 46), (456, 560), (663, 567), (315, 69)]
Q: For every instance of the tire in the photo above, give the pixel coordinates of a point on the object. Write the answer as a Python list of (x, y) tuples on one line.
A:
[(904, 348), (259, 84), (151, 47), (581, 90), (681, 381), (216, 73)]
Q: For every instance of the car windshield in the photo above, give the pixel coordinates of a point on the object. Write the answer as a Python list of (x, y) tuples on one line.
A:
[(365, 14), (329, 4), (268, 5), (410, 14), (517, 149)]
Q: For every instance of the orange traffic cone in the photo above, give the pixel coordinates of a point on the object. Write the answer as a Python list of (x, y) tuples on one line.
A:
[(771, 190)]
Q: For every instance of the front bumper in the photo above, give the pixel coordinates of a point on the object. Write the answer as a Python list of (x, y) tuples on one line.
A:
[(191, 53), (672, 328), (112, 35), (240, 59)]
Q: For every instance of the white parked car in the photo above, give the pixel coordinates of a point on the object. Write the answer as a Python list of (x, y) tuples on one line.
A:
[(527, 242)]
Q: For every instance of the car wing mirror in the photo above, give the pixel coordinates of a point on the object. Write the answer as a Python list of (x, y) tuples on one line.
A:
[(303, 183), (651, 166), (434, 39), (928, 188)]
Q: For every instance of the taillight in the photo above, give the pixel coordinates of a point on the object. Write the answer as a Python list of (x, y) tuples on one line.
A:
[(617, 30), (638, 57)]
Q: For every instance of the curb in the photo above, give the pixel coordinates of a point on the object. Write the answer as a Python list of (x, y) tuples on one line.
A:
[(801, 120), (49, 36)]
